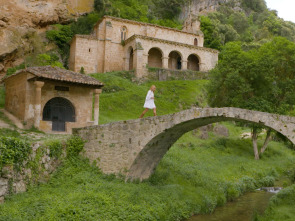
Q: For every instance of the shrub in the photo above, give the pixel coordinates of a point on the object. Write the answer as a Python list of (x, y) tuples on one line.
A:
[(74, 146), (55, 148), (13, 151), (11, 71)]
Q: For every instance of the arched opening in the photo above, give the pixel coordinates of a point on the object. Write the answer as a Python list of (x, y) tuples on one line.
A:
[(174, 61), (123, 33), (155, 58), (131, 59), (157, 145), (59, 110), (196, 42), (193, 63)]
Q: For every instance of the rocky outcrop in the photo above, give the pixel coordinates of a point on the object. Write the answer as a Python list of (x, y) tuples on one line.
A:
[(202, 7), (21, 18)]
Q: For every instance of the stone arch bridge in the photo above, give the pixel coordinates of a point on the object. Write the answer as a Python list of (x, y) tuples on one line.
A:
[(135, 147)]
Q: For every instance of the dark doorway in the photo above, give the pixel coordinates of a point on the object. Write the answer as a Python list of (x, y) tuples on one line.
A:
[(131, 60), (59, 110), (179, 63), (174, 62)]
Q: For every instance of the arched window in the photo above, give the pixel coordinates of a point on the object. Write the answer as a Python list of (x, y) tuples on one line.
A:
[(59, 110), (123, 33), (196, 42)]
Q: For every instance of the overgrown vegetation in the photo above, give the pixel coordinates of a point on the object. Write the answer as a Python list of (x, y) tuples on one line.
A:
[(195, 175), (55, 147), (13, 151), (74, 145), (37, 60), (253, 25), (260, 79), (282, 206)]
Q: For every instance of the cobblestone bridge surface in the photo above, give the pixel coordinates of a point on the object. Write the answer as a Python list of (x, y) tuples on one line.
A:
[(135, 147)]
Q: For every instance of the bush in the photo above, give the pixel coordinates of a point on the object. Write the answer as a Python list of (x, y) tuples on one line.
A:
[(55, 148), (74, 146), (13, 151), (11, 71)]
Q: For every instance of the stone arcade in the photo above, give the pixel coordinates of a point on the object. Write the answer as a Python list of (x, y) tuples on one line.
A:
[(118, 44), (52, 99)]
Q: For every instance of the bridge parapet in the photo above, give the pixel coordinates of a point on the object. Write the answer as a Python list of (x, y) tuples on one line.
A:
[(135, 147)]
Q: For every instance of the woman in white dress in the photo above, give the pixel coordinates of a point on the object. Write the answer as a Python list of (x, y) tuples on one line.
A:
[(149, 102)]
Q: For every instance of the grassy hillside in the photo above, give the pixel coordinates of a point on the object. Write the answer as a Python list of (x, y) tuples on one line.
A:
[(194, 177), (123, 99)]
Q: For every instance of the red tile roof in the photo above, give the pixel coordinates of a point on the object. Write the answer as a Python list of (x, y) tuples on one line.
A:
[(59, 74)]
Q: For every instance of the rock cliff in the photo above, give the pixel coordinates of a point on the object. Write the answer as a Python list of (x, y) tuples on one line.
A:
[(21, 19), (201, 7)]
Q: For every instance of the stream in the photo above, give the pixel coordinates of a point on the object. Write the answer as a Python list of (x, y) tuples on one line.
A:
[(242, 209)]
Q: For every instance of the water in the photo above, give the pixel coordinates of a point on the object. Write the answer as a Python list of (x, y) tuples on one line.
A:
[(242, 209)]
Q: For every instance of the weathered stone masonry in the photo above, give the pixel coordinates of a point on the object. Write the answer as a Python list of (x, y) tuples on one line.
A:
[(119, 44), (135, 147)]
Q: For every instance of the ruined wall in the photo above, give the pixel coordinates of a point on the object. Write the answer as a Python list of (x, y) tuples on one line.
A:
[(37, 168)]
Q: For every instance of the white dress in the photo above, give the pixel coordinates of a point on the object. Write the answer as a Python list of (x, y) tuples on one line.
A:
[(149, 102)]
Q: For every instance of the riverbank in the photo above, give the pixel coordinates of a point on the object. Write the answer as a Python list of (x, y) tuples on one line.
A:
[(281, 206), (194, 177)]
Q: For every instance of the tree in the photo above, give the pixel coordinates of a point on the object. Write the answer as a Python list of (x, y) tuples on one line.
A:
[(260, 79)]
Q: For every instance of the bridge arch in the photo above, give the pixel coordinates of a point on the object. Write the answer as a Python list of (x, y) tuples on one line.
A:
[(135, 147), (153, 152)]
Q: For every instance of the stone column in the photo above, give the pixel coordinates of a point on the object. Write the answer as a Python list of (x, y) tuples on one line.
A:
[(165, 61), (184, 65), (37, 115), (96, 105), (138, 60)]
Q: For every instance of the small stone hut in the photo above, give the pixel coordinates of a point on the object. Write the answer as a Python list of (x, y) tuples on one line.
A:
[(53, 99)]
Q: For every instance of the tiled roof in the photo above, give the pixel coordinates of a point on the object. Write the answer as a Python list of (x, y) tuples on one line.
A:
[(59, 74)]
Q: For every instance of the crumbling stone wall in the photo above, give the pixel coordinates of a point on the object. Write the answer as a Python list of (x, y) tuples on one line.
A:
[(37, 168)]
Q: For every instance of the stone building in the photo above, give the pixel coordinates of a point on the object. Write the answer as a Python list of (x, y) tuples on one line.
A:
[(119, 44), (53, 99)]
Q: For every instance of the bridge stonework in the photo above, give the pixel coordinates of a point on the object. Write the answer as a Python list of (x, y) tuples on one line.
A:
[(135, 147)]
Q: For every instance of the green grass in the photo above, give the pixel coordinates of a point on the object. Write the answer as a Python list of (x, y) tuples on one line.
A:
[(123, 100), (282, 206), (194, 176)]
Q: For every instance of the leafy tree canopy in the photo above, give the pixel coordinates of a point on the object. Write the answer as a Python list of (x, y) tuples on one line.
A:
[(253, 23), (259, 79)]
